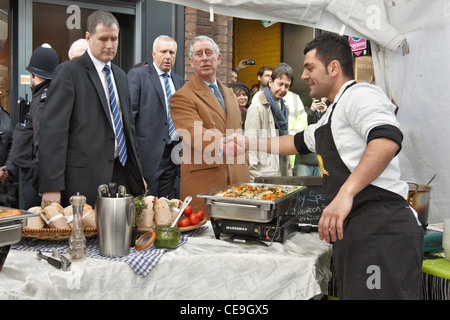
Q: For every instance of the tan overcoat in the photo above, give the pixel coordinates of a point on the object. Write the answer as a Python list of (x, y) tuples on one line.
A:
[(201, 122)]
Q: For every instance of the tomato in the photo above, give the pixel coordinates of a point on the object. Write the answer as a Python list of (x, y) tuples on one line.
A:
[(201, 214), (194, 218), (184, 223), (187, 211)]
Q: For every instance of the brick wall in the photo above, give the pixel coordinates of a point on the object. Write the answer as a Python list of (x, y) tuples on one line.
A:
[(221, 30)]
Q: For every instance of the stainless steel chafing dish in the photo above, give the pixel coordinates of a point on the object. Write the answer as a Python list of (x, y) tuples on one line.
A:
[(250, 209), (11, 227)]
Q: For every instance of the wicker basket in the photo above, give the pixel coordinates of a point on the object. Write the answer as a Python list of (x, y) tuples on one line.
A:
[(55, 234)]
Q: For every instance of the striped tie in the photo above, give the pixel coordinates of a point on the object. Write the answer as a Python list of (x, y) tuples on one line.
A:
[(120, 137), (172, 131)]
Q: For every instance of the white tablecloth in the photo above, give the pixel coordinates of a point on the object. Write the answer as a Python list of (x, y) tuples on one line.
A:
[(203, 268)]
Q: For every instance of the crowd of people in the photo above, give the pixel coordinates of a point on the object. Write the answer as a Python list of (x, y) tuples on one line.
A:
[(80, 159), (90, 123), (285, 115)]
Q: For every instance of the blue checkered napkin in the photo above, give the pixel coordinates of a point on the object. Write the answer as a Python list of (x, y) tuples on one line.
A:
[(142, 262)]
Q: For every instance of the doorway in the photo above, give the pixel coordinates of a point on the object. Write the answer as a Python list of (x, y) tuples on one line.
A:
[(60, 26)]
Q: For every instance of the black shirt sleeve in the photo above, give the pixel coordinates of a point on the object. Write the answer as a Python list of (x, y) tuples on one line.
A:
[(300, 144), (387, 131)]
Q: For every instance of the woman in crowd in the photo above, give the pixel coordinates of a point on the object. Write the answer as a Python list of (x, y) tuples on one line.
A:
[(244, 98)]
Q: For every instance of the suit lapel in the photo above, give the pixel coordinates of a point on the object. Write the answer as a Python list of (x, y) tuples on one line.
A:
[(154, 77), (208, 96), (121, 84), (93, 74), (177, 83), (228, 101)]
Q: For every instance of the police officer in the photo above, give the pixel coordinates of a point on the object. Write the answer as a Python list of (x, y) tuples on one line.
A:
[(24, 151)]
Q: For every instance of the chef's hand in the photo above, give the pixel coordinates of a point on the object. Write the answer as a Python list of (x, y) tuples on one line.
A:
[(333, 216), (233, 145), (49, 197)]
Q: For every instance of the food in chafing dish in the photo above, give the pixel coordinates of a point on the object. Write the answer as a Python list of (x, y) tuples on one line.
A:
[(255, 192), (9, 213)]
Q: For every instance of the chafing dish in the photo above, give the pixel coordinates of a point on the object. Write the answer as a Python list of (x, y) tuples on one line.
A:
[(250, 209), (11, 227)]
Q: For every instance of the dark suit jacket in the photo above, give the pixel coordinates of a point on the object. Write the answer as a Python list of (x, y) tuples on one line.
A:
[(149, 111), (77, 137)]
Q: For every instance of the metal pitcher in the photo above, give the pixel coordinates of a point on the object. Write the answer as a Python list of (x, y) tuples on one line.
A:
[(115, 218)]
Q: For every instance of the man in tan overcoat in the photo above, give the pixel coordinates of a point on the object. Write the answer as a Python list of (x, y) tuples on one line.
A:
[(202, 116)]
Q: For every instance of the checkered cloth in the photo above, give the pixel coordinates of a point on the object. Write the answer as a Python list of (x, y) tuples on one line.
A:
[(142, 262)]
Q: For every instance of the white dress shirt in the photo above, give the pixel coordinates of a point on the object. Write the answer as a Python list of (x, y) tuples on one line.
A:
[(99, 66)]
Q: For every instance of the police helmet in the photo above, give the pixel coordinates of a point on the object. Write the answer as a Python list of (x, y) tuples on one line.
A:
[(43, 62)]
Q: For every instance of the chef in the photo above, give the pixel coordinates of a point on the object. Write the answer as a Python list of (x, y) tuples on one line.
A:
[(377, 239)]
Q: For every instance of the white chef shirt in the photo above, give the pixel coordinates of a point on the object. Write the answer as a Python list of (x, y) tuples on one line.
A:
[(362, 108)]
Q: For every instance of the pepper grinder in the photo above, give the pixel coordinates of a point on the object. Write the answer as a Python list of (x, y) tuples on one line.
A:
[(77, 240)]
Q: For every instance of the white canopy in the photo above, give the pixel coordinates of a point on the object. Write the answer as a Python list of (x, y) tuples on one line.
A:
[(410, 48)]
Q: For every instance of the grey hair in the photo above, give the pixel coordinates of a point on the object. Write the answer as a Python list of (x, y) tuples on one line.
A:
[(283, 69), (203, 38), (165, 38)]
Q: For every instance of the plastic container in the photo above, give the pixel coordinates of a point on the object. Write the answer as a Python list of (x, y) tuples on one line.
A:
[(166, 237)]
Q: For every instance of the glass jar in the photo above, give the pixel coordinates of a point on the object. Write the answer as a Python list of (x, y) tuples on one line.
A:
[(166, 237)]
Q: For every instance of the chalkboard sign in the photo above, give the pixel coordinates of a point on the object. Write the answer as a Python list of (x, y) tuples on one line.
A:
[(311, 202)]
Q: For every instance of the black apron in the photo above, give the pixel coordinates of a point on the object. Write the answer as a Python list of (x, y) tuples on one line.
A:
[(380, 255)]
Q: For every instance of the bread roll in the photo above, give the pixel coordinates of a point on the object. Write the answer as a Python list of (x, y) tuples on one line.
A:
[(54, 218), (89, 218), (176, 203), (148, 213), (35, 222), (163, 215), (68, 213)]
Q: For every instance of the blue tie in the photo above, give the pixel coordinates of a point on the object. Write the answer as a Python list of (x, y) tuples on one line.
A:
[(218, 96), (172, 132), (121, 144)]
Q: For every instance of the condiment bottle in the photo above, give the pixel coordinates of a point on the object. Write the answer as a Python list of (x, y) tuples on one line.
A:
[(77, 240)]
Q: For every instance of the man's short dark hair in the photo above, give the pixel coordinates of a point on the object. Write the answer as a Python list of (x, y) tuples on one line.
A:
[(263, 69), (283, 69), (329, 47), (100, 17)]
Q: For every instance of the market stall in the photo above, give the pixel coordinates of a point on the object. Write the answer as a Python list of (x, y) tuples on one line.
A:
[(409, 64), (202, 267)]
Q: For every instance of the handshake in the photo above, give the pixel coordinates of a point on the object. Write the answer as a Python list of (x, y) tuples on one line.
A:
[(234, 145)]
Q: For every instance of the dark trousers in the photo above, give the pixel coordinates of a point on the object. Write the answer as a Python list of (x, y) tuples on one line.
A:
[(30, 195), (163, 181), (120, 177)]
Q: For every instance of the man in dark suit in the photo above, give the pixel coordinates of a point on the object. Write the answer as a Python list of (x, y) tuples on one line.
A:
[(150, 94), (82, 144)]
